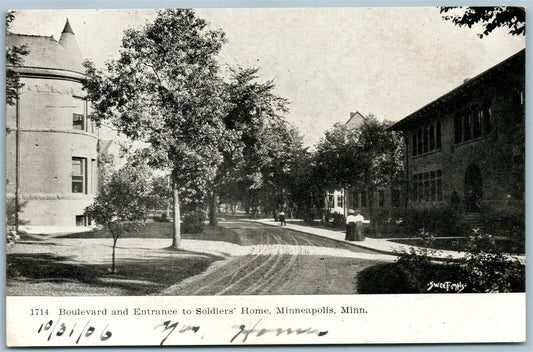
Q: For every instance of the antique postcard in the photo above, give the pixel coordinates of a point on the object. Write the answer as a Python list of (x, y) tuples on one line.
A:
[(265, 176)]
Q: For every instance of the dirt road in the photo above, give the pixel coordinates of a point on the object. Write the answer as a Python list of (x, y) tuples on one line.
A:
[(281, 261)]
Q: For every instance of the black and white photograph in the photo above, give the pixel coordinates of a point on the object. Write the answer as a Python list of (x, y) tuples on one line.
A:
[(286, 154)]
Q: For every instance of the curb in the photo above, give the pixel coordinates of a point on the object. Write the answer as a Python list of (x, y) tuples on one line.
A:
[(333, 239)]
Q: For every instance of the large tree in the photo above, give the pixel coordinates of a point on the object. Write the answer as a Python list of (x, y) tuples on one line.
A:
[(164, 90), (489, 18), (264, 141), (365, 157)]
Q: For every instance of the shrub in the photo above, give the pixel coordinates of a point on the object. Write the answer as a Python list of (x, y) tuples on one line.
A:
[(11, 235), (485, 269), (437, 221), (488, 270), (504, 222), (335, 220), (193, 222), (388, 223)]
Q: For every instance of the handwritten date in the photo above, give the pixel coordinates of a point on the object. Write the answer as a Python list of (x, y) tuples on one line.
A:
[(59, 329)]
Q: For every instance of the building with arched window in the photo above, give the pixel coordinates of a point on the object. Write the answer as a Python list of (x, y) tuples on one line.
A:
[(51, 144), (467, 148)]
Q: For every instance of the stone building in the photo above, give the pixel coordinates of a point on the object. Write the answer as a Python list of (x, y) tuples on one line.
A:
[(51, 144), (466, 149)]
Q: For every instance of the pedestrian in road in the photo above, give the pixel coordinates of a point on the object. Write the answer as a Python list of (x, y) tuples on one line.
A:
[(350, 225), (359, 220), (282, 219)]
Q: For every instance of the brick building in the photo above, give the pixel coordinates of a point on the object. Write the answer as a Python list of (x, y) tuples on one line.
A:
[(51, 144), (467, 148)]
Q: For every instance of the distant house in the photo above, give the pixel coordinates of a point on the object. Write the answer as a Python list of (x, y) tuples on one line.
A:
[(467, 148), (51, 144), (384, 198)]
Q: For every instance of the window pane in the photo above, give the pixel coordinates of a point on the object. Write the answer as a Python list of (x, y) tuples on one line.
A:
[(355, 199), (420, 148), (78, 115), (77, 184), (77, 121), (77, 167), (476, 123), (414, 144), (80, 220), (467, 125), (487, 121), (437, 128), (431, 137), (381, 195), (426, 140), (78, 175), (458, 125)]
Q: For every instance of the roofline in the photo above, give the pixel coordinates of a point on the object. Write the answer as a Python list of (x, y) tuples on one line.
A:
[(465, 84), (355, 113), (32, 35)]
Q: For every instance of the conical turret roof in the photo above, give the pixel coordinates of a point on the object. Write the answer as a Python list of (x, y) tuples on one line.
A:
[(68, 28)]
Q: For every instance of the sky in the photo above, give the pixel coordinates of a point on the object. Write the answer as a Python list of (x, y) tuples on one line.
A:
[(327, 62)]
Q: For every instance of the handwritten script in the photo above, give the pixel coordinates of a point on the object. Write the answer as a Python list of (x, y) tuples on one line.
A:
[(171, 327), (244, 333)]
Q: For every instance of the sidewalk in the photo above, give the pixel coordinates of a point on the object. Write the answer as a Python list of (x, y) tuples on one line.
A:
[(378, 245)]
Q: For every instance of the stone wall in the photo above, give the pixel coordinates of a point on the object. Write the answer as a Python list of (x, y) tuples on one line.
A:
[(47, 144)]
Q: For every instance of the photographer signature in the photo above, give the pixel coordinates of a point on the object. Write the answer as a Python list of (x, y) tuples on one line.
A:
[(447, 286)]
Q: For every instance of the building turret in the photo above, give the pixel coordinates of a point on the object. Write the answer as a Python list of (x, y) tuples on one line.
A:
[(68, 41)]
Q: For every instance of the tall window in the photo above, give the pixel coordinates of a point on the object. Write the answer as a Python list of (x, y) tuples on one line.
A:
[(331, 201), (472, 123), (340, 201), (355, 199), (79, 114), (427, 138), (381, 198), (427, 187), (79, 175), (395, 198), (437, 135), (80, 119)]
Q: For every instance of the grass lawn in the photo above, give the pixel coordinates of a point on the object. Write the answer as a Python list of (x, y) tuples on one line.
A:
[(163, 230), (78, 264)]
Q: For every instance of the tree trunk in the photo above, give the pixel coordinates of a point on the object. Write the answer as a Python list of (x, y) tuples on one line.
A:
[(113, 270), (213, 210), (176, 216)]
